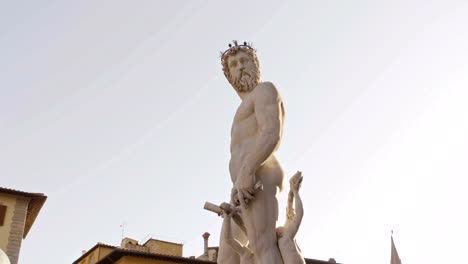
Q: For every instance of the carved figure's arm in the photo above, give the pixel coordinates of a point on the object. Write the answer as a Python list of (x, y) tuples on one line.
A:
[(227, 234), (293, 224), (268, 113), (299, 214), (290, 212), (234, 213)]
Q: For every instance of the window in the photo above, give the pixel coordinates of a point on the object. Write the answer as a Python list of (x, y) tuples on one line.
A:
[(2, 214)]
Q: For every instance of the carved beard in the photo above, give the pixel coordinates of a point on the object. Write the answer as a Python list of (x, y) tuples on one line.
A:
[(246, 84)]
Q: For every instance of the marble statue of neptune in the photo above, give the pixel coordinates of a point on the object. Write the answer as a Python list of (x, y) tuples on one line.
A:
[(255, 136)]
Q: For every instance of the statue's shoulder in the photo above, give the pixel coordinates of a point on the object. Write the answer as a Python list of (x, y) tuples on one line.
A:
[(267, 89)]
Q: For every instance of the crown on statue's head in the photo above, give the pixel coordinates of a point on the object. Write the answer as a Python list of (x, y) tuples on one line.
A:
[(235, 48)]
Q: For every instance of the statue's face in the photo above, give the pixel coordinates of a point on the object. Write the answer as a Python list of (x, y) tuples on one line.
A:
[(243, 70)]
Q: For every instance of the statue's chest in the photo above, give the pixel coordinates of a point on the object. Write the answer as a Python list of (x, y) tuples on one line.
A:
[(245, 110)]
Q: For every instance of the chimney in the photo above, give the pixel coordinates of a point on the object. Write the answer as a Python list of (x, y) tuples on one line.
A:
[(205, 236), (128, 243)]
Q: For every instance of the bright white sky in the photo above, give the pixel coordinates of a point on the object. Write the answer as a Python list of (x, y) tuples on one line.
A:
[(119, 112)]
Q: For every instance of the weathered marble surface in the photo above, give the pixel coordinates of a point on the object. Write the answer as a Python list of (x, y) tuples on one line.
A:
[(290, 252), (4, 258), (255, 136), (287, 234), (249, 233)]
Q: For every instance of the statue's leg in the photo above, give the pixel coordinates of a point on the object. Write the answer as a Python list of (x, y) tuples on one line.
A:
[(260, 219), (226, 255)]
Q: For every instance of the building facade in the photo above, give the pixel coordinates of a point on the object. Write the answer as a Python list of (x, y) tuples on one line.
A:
[(18, 211)]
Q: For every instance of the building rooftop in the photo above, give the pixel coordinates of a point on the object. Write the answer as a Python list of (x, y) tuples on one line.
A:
[(118, 253), (99, 244), (36, 202)]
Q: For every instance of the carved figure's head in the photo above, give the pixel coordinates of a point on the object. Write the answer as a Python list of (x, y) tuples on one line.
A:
[(241, 67)]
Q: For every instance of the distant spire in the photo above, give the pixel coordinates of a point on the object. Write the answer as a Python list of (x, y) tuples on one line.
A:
[(394, 258)]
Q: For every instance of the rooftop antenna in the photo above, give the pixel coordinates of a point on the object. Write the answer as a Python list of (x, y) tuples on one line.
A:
[(122, 230)]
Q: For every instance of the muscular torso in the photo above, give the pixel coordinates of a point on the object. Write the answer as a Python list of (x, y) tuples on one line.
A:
[(244, 136)]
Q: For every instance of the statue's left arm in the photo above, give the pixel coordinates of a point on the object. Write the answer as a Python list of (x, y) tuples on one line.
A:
[(268, 114)]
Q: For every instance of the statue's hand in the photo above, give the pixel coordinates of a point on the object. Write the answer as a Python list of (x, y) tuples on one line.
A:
[(296, 181), (244, 186), (235, 211)]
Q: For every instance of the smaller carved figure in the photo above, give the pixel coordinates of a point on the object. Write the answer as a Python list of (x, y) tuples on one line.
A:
[(246, 255), (286, 234)]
